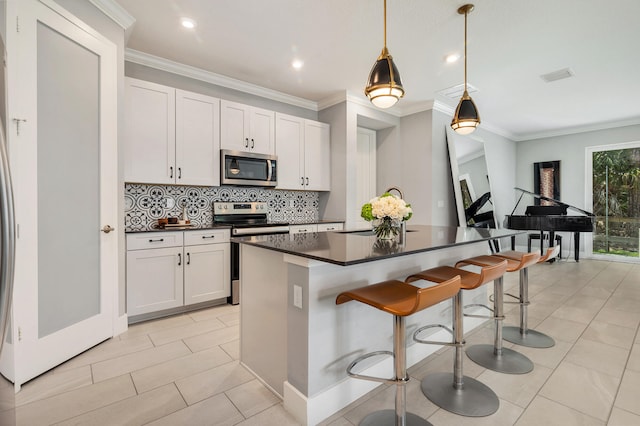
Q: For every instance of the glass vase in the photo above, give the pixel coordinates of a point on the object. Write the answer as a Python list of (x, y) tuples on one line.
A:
[(386, 228)]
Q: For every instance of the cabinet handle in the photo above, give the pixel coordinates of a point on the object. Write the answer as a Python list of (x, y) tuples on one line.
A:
[(302, 181), (330, 229), (188, 258), (171, 172), (159, 240), (179, 172), (208, 236), (179, 259), (253, 143), (307, 181), (246, 142)]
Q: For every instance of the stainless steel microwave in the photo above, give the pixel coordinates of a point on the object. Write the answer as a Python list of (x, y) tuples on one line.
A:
[(248, 168)]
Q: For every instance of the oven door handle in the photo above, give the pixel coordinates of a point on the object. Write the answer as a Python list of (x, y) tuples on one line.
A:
[(269, 171), (258, 231)]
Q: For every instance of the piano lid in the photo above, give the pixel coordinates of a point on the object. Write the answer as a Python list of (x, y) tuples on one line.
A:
[(542, 197)]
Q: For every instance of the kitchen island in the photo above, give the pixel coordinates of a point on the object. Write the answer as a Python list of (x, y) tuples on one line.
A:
[(299, 343)]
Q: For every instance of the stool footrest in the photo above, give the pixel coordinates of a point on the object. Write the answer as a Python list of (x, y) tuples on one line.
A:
[(372, 378), (434, 342)]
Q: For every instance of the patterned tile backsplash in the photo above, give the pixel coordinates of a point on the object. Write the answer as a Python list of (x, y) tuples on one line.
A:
[(145, 204)]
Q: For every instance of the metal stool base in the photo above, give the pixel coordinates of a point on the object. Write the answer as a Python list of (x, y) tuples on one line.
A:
[(388, 417), (475, 399), (531, 339), (510, 362)]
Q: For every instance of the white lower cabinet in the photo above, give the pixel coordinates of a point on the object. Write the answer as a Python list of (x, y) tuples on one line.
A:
[(313, 227), (171, 269)]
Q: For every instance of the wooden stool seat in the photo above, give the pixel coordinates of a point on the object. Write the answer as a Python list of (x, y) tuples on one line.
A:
[(495, 357), (469, 280), (515, 260), (454, 391), (400, 298)]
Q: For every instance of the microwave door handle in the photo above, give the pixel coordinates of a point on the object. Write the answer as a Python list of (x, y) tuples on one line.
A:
[(269, 171)]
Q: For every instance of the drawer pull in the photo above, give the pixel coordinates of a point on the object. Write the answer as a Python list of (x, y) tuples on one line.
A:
[(179, 259), (188, 258), (159, 240), (208, 236)]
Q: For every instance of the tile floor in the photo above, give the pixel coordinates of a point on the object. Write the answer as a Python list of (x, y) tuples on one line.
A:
[(184, 370)]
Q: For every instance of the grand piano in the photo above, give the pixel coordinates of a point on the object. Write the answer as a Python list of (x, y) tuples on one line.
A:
[(550, 218)]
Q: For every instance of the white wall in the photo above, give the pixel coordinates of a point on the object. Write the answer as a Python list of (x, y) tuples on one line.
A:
[(570, 150)]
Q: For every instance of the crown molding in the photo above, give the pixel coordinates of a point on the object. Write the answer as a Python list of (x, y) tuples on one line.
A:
[(167, 65), (634, 121), (116, 12)]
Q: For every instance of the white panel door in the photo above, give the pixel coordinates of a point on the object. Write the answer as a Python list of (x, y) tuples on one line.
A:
[(365, 171), (197, 139), (62, 77)]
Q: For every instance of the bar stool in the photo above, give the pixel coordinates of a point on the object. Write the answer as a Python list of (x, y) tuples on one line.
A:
[(456, 392), (542, 236), (399, 299), (495, 357), (522, 335)]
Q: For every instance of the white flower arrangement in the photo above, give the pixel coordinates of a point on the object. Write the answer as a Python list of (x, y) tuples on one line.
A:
[(387, 213), (386, 206)]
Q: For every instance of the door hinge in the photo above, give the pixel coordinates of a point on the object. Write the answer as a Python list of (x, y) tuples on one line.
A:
[(19, 334), (17, 24), (18, 121)]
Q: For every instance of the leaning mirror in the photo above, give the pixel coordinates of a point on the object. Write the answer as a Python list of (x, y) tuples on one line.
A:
[(471, 185)]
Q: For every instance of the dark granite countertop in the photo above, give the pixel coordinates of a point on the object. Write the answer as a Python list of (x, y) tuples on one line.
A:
[(351, 247)]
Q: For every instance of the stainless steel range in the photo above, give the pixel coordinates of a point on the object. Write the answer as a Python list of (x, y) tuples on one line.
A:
[(246, 219)]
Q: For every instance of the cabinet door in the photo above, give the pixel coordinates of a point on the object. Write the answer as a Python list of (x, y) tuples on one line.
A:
[(206, 273), (197, 139), (154, 280), (234, 126), (262, 133), (317, 156), (303, 229), (327, 227), (149, 132), (289, 143)]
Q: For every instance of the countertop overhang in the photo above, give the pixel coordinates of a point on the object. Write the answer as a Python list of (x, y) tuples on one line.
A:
[(352, 247)]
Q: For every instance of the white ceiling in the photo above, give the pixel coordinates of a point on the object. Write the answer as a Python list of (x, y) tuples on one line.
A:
[(511, 43)]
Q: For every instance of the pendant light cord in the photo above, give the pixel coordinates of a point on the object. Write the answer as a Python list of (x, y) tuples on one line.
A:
[(466, 12), (385, 24)]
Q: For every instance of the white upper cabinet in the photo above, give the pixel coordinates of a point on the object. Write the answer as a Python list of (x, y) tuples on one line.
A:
[(197, 139), (246, 128), (317, 156), (171, 136), (303, 148), (149, 132)]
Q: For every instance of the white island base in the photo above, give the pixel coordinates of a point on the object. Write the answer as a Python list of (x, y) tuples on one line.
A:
[(296, 340)]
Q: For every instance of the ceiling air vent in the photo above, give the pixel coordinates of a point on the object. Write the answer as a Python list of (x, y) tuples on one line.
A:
[(456, 91), (557, 75)]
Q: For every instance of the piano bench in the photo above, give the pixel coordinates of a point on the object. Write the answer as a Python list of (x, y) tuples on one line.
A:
[(536, 236)]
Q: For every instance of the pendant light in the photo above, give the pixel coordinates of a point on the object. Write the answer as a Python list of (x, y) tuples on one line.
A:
[(384, 87), (466, 118)]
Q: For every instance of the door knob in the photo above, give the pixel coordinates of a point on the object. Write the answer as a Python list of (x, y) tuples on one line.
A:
[(107, 228)]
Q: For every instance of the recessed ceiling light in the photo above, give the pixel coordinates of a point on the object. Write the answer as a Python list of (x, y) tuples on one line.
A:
[(297, 64), (188, 23), (452, 58)]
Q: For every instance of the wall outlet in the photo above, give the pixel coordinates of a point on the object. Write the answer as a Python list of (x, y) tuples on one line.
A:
[(297, 296), (440, 203), (169, 203)]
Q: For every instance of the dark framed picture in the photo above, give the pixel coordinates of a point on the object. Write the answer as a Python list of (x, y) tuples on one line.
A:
[(546, 181)]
